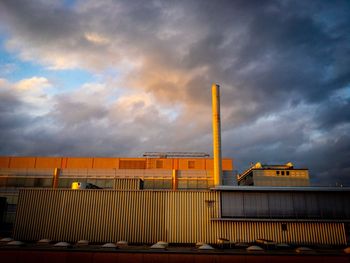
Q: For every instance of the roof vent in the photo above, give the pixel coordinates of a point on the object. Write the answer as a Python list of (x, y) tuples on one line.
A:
[(205, 247), (109, 245), (62, 244), (44, 241), (15, 243), (254, 248), (6, 239), (158, 246)]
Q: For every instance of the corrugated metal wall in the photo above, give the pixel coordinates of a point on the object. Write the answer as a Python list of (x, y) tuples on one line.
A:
[(147, 217), (103, 216), (297, 232), (127, 184)]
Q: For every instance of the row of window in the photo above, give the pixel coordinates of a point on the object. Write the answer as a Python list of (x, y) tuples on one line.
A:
[(308, 205), (190, 164), (139, 164), (282, 173)]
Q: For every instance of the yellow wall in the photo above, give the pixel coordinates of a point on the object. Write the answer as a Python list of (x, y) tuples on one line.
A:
[(150, 216)]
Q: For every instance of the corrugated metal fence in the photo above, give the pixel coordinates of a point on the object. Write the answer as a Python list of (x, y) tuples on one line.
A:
[(147, 217)]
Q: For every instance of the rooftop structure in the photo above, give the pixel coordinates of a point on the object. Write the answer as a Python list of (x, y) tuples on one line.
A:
[(176, 155), (274, 175)]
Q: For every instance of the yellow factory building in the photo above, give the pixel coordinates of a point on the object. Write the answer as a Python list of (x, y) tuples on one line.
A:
[(182, 173), (156, 173)]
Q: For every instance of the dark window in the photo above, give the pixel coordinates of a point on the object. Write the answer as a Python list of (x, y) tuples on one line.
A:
[(131, 164), (287, 172), (159, 164), (284, 227), (277, 172), (282, 173), (191, 164)]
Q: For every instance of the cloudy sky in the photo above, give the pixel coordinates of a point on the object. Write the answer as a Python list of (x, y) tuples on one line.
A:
[(118, 78)]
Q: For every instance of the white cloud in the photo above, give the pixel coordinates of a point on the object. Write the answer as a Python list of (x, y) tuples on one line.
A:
[(36, 84), (96, 38)]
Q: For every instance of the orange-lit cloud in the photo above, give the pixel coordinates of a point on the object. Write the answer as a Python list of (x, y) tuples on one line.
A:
[(281, 65)]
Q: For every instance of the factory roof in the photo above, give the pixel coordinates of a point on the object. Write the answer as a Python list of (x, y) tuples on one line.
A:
[(281, 189)]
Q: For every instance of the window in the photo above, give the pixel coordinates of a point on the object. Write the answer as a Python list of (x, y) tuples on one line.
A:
[(277, 172), (287, 172), (191, 164), (282, 172), (132, 164), (284, 227), (159, 164)]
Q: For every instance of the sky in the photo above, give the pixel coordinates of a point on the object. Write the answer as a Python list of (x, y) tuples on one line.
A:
[(120, 78)]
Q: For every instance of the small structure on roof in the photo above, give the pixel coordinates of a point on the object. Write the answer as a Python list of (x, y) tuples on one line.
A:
[(274, 175)]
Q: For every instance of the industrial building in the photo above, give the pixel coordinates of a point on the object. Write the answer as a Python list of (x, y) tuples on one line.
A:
[(161, 171), (178, 200), (298, 216), (274, 175)]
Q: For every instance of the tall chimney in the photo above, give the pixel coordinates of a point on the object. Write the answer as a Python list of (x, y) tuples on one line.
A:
[(215, 90)]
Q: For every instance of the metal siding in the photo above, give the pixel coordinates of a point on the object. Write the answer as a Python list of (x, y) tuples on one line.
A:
[(127, 184), (150, 216)]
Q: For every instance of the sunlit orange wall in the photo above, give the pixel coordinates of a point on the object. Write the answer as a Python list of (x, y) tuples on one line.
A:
[(48, 162), (22, 162), (79, 163), (4, 162), (108, 163)]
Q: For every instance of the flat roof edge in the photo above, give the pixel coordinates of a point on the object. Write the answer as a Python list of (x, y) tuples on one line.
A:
[(280, 188), (225, 219)]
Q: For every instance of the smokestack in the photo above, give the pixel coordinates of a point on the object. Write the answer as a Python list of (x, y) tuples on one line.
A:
[(215, 90)]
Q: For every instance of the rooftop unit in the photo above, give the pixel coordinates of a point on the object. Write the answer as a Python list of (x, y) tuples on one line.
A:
[(175, 155)]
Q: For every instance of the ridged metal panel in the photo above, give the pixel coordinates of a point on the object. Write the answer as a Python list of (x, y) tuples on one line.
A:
[(103, 216), (150, 216), (127, 184), (298, 233)]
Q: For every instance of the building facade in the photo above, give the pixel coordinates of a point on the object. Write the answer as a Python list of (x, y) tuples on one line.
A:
[(155, 173), (296, 216), (274, 175)]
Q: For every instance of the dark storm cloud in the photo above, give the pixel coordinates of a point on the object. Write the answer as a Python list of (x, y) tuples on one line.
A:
[(10, 111), (334, 113), (281, 65)]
